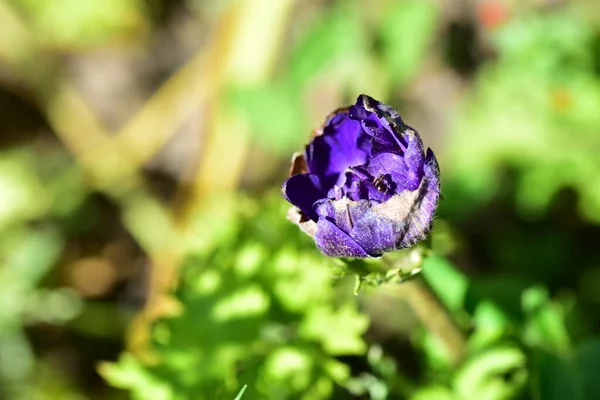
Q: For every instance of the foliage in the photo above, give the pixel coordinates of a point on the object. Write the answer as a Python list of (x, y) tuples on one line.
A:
[(82, 24), (545, 84), (337, 48), (27, 253), (171, 223), (258, 309)]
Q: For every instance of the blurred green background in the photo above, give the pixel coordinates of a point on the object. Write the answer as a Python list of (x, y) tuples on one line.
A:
[(144, 250)]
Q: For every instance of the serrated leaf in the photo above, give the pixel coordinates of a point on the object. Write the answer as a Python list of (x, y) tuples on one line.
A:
[(339, 331)]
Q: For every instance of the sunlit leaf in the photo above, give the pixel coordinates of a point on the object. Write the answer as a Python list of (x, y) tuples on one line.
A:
[(83, 23), (446, 280), (406, 30), (497, 374)]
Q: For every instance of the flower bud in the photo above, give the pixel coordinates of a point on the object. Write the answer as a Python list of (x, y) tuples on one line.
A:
[(364, 185)]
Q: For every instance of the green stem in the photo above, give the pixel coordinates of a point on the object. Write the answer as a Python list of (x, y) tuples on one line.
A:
[(435, 317), (404, 268), (425, 304)]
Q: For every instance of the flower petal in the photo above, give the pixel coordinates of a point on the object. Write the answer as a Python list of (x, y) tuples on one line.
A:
[(421, 218), (382, 123), (401, 221), (408, 215), (303, 190), (342, 212), (362, 185), (413, 158), (389, 164), (308, 226), (374, 233), (431, 168), (298, 164), (378, 234), (337, 148), (431, 180), (334, 242)]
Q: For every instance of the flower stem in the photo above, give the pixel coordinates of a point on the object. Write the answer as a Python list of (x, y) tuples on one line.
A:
[(404, 268), (425, 304), (435, 317)]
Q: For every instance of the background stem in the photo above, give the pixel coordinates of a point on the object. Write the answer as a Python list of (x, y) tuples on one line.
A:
[(435, 317)]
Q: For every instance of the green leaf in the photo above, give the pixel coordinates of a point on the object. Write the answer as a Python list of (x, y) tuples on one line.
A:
[(540, 90), (572, 376), (256, 307), (337, 36), (434, 392), (22, 195), (501, 289), (128, 373), (241, 393), (446, 281), (275, 115), (555, 378), (587, 360), (339, 331), (491, 324), (545, 326), (83, 23), (406, 30), (497, 374)]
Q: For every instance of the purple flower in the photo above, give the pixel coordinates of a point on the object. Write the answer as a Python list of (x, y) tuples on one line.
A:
[(364, 186)]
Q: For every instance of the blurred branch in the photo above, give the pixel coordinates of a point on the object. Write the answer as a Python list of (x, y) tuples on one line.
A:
[(106, 160), (242, 51), (106, 164), (249, 50), (425, 304), (436, 319), (15, 38)]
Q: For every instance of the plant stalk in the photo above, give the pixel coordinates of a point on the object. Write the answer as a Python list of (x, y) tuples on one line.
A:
[(435, 317)]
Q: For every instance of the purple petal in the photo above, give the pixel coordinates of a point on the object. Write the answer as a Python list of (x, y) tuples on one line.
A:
[(361, 185), (431, 168), (355, 188), (337, 148), (413, 158), (342, 212), (303, 190), (359, 220), (421, 218), (325, 209), (382, 139), (382, 123), (308, 226), (401, 221), (388, 116), (334, 242), (431, 181), (354, 185), (376, 234), (393, 165), (408, 215)]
